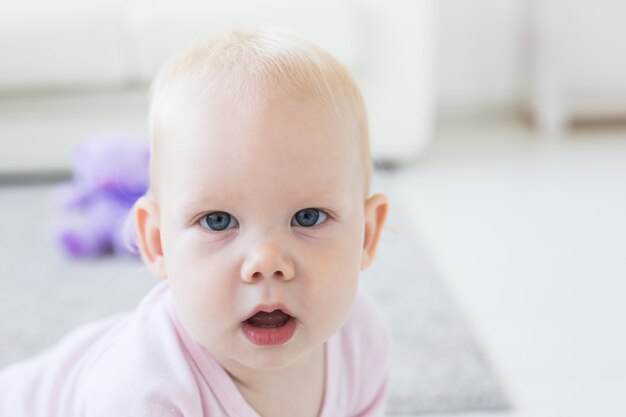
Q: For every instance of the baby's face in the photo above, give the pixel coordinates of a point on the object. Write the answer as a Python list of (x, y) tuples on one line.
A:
[(260, 211)]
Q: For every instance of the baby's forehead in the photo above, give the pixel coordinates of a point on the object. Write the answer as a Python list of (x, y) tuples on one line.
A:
[(281, 142), (196, 109), (233, 82)]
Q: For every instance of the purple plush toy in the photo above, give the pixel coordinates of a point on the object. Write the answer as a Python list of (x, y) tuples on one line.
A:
[(110, 173)]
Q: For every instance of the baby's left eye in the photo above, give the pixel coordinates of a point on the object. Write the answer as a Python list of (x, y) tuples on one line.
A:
[(309, 217)]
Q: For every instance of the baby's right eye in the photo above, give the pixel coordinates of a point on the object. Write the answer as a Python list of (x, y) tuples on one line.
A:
[(218, 221)]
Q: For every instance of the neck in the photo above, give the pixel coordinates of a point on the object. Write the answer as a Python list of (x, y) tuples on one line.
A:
[(264, 390)]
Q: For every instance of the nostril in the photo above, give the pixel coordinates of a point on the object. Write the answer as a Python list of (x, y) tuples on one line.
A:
[(259, 275)]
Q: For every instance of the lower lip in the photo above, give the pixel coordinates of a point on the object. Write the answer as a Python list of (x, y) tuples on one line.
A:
[(270, 336)]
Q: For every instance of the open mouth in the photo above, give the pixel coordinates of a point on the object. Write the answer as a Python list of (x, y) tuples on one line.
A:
[(269, 328), (262, 319)]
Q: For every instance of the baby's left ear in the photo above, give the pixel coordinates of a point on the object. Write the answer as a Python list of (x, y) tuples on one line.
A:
[(375, 214)]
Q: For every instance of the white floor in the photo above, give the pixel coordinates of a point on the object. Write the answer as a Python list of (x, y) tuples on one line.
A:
[(530, 236)]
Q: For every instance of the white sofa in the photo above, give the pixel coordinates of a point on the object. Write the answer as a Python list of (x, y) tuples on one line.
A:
[(71, 68), (578, 67)]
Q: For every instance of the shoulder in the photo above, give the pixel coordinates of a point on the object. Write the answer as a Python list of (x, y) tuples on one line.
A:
[(366, 333), (122, 366), (132, 371), (362, 357)]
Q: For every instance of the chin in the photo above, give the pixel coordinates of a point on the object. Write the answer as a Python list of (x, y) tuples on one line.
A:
[(270, 361)]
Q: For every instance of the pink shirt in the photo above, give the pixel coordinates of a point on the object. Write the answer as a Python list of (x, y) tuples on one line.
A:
[(146, 364)]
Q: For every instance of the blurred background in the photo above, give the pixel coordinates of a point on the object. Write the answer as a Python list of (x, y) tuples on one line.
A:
[(501, 123)]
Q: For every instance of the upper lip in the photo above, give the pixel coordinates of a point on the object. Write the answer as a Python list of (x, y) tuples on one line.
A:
[(268, 308)]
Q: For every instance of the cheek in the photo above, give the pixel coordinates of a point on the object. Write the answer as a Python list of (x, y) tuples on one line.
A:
[(193, 259), (332, 276), (349, 248), (200, 284), (333, 255)]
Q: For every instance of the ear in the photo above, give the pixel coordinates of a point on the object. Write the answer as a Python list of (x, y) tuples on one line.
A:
[(147, 219), (375, 214)]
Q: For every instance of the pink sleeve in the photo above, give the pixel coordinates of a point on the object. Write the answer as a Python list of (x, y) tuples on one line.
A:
[(376, 408), (126, 366), (365, 359)]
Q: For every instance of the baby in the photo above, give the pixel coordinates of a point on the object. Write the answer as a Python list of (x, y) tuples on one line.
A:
[(258, 221)]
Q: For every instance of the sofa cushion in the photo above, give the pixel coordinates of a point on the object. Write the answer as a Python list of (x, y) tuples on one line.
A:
[(61, 44)]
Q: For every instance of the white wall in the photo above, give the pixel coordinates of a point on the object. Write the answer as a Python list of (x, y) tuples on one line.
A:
[(479, 51), (51, 107)]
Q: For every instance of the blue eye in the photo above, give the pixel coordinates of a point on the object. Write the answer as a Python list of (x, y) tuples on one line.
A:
[(218, 221), (309, 217)]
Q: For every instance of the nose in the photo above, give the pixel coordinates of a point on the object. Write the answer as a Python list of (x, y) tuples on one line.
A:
[(267, 261)]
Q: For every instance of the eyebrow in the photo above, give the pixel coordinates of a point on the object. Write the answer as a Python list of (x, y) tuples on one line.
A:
[(190, 201)]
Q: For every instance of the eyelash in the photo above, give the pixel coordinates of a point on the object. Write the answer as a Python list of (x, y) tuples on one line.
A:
[(203, 221)]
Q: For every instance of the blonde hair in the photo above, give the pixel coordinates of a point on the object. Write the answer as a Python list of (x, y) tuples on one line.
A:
[(262, 62)]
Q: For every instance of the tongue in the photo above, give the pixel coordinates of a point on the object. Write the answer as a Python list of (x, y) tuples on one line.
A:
[(276, 318)]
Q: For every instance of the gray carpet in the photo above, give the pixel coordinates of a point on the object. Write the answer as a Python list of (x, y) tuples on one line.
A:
[(438, 366)]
